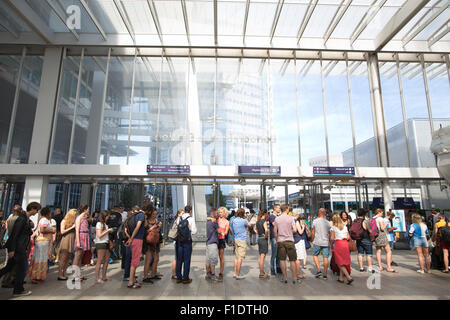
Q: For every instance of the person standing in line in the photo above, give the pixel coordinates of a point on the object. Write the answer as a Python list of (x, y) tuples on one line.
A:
[(274, 261), (240, 227), (66, 246), (212, 249), (284, 228), (123, 213), (390, 231), (321, 242), (102, 245), (39, 262), (381, 242), (300, 245), (341, 252), (351, 214), (364, 242), (135, 232), (18, 244), (224, 227), (174, 261), (82, 241), (252, 217), (418, 232), (262, 230), (58, 217), (151, 251), (439, 241), (186, 228)]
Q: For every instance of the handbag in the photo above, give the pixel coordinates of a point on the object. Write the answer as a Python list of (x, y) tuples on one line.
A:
[(308, 233), (352, 245)]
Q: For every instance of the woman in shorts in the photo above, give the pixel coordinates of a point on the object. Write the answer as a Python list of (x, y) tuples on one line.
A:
[(102, 245), (262, 231)]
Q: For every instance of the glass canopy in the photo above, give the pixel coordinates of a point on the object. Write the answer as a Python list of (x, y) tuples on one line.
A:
[(360, 25)]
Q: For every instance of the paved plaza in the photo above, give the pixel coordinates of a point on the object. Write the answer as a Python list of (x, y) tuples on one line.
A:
[(405, 285)]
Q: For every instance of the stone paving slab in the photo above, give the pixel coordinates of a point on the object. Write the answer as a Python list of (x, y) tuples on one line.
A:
[(406, 285)]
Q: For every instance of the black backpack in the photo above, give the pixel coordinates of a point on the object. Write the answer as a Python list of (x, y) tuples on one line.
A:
[(130, 224), (445, 233), (184, 234)]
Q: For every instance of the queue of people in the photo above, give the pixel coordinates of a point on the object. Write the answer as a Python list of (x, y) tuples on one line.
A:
[(30, 249)]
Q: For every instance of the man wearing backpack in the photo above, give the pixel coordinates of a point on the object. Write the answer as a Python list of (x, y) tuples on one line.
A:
[(362, 233), (186, 228), (134, 228)]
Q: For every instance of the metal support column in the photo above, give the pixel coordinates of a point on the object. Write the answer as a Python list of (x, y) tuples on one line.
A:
[(324, 109), (6, 201), (286, 195), (65, 206), (427, 93), (164, 212)]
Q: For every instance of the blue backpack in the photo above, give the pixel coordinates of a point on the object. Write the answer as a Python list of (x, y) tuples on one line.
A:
[(184, 234)]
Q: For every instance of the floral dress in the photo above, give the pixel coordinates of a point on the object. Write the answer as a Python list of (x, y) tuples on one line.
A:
[(39, 261)]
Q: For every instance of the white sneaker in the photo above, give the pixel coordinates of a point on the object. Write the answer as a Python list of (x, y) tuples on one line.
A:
[(240, 277), (234, 276), (421, 271)]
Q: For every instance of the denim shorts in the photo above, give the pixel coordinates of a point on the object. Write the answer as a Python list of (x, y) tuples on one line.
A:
[(317, 249), (420, 243), (364, 246)]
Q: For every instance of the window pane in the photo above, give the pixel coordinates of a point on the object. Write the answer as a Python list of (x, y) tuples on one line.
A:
[(8, 78), (85, 142), (284, 109), (438, 85), (312, 130), (26, 109), (338, 112), (117, 111), (366, 152), (66, 107), (395, 133)]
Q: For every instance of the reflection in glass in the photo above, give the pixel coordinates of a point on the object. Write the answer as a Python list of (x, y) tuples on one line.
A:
[(116, 117), (26, 109), (9, 66), (66, 107)]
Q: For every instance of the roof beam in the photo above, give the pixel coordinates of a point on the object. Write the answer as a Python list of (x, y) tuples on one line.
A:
[(215, 22), (152, 8), (125, 19), (438, 35), (335, 21), (63, 17), (94, 19), (7, 25), (186, 21), (247, 8), (362, 26), (397, 22), (411, 36), (306, 17), (276, 18), (35, 22)]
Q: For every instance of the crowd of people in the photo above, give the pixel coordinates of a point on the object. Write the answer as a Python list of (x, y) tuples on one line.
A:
[(78, 238)]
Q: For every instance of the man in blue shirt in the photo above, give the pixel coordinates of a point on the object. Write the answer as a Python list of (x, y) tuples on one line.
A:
[(212, 246), (240, 227)]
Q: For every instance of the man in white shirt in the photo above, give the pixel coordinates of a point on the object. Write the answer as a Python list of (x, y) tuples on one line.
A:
[(184, 246), (123, 213), (351, 214)]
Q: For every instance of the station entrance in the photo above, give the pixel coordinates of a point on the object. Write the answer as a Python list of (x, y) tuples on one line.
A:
[(168, 194)]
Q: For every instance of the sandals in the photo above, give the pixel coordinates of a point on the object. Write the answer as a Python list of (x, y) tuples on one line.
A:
[(155, 277), (392, 271), (100, 281), (62, 279), (134, 286), (445, 271), (107, 279), (174, 278), (264, 276), (341, 281), (349, 282)]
